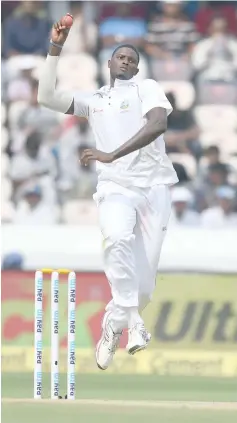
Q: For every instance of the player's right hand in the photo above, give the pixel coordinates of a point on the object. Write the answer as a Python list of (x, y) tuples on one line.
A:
[(59, 33)]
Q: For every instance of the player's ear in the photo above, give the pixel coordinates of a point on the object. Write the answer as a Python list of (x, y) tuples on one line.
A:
[(109, 64)]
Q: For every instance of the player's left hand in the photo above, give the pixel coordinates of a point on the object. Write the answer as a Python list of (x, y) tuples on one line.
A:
[(93, 154)]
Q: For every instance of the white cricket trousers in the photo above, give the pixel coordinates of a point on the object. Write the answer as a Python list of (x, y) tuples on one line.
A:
[(133, 223)]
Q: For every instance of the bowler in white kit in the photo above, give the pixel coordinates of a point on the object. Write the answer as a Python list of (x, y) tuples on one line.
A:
[(128, 119)]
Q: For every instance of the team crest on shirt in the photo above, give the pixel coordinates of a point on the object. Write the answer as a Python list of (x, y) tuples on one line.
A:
[(97, 110), (124, 105)]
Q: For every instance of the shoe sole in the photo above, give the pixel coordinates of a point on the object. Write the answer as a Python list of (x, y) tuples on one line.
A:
[(136, 348), (99, 343), (98, 365)]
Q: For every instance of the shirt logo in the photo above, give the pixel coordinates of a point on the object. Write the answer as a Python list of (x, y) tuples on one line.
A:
[(124, 105), (97, 110), (100, 199)]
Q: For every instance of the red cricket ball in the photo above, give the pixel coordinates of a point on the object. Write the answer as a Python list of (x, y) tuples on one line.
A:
[(67, 20)]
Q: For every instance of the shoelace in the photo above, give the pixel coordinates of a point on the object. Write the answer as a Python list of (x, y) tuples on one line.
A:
[(114, 342), (142, 331)]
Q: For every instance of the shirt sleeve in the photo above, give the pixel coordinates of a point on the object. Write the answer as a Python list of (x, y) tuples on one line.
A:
[(82, 104), (152, 95)]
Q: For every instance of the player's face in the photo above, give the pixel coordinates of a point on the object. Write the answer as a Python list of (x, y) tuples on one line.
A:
[(29, 7), (180, 206), (123, 64), (225, 204)]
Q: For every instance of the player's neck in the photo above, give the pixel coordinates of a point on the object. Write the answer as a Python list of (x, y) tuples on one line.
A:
[(120, 82)]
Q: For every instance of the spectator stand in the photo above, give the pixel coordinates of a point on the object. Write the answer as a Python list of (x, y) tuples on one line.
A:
[(180, 44)]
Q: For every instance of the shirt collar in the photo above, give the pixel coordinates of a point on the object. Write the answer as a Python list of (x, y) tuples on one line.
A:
[(117, 84), (123, 82)]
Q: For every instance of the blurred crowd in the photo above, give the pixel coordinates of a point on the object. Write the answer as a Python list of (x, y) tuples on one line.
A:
[(189, 47)]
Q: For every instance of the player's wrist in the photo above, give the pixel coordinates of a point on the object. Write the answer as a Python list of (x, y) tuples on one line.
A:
[(54, 50), (54, 44)]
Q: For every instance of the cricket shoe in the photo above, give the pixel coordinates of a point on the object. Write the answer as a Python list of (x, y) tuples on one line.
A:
[(108, 344), (138, 338)]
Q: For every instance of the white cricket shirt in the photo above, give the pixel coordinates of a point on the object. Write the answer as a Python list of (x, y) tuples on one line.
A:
[(117, 114)]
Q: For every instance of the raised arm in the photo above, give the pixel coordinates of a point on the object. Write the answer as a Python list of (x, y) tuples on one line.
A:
[(48, 95)]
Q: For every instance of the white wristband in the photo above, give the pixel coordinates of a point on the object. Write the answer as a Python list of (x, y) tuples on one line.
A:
[(55, 44)]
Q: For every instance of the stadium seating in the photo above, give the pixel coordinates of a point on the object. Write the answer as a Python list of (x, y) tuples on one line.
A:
[(216, 117), (77, 72), (4, 138), (225, 140), (184, 93), (7, 211), (3, 114), (217, 93), (80, 212), (5, 161), (171, 70), (187, 161), (16, 64), (14, 112), (6, 189)]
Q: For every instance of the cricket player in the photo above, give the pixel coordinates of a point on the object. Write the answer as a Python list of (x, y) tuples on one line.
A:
[(128, 119)]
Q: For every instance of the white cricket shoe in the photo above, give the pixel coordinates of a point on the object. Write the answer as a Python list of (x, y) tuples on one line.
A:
[(107, 344), (138, 338)]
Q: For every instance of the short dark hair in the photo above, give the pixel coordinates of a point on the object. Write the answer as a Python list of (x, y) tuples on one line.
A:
[(212, 149), (219, 167), (128, 46), (171, 97), (181, 173)]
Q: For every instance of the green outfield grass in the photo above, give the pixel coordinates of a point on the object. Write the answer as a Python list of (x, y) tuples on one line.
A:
[(120, 387), (49, 413)]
